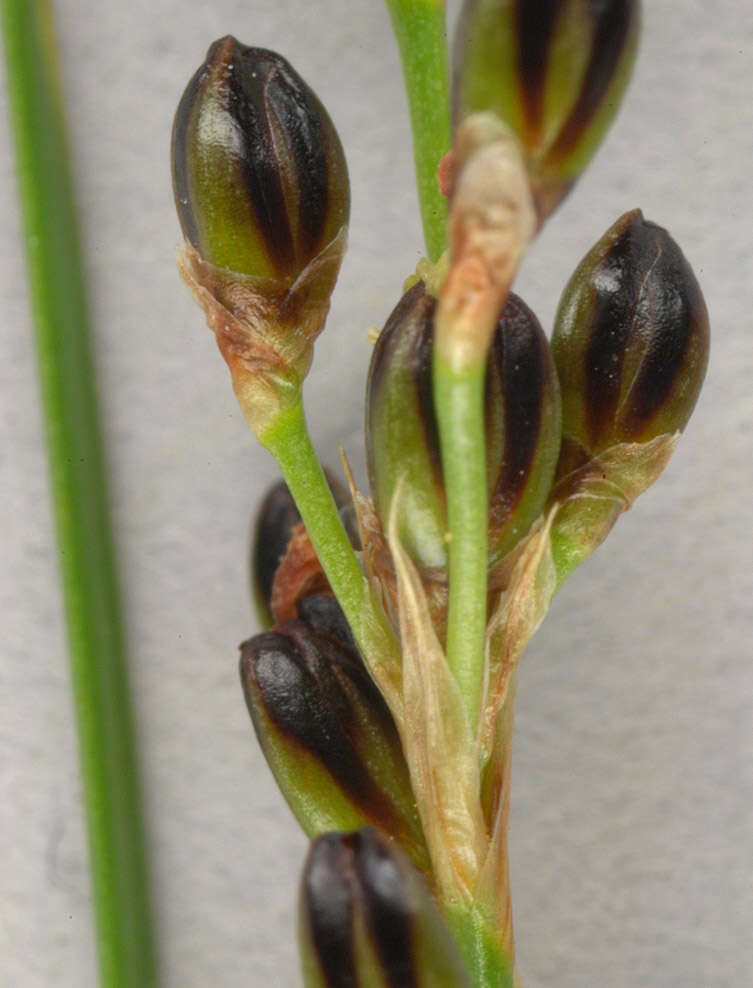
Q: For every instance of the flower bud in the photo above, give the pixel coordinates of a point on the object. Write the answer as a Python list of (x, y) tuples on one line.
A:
[(631, 339), (522, 427), (261, 189), (366, 919), (554, 71), (325, 730), (259, 173)]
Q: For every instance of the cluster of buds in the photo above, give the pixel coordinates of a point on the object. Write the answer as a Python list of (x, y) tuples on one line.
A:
[(403, 788)]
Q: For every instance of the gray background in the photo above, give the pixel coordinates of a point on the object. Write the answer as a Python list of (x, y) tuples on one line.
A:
[(632, 827)]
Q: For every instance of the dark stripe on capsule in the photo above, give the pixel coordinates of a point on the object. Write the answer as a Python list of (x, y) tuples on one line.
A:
[(388, 910), (248, 104), (519, 352), (328, 905), (613, 24), (302, 695), (672, 314), (535, 24)]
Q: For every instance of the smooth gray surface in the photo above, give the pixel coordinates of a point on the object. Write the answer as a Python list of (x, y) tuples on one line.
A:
[(632, 822)]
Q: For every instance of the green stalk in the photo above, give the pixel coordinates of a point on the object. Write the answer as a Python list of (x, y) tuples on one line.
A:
[(421, 34), (420, 30), (487, 963), (459, 403), (289, 442), (95, 638)]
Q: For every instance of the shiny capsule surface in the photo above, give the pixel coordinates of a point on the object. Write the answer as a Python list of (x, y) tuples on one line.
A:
[(325, 729), (631, 338), (554, 71), (259, 173), (522, 427), (367, 920)]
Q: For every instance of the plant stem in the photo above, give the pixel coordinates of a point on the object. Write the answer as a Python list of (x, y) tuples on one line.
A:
[(87, 567), (458, 399), (289, 442), (486, 961), (421, 34)]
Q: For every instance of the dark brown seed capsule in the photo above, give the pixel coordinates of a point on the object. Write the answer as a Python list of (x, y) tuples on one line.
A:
[(631, 339), (262, 195), (259, 174), (522, 427), (366, 919), (402, 442), (326, 732), (554, 71)]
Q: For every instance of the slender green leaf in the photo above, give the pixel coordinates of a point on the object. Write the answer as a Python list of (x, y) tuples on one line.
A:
[(87, 566)]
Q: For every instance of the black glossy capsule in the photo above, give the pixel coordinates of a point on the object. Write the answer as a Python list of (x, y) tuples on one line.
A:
[(325, 730), (631, 339), (554, 70), (259, 173), (522, 427), (366, 919)]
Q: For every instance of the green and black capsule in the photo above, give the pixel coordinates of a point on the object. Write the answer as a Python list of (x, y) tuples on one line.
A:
[(259, 174), (402, 442), (631, 339), (262, 193), (524, 436), (325, 730), (366, 919), (522, 427), (554, 71)]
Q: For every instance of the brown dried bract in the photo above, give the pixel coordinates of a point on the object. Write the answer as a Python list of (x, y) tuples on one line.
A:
[(235, 313), (299, 575), (265, 329)]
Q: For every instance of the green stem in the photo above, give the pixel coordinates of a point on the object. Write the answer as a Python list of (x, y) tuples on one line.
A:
[(488, 964), (289, 442), (87, 567), (421, 34), (459, 402)]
